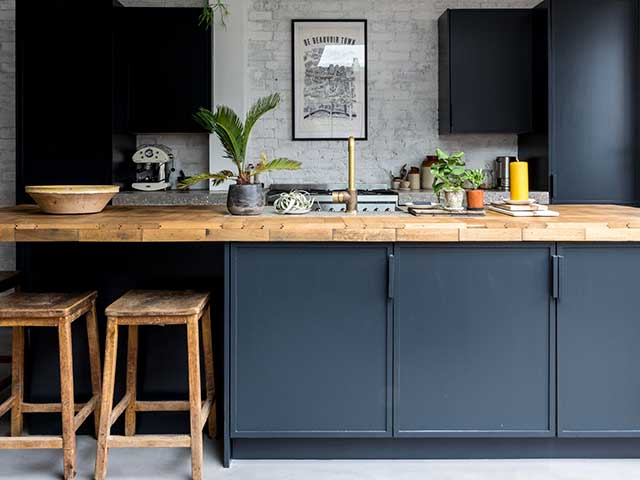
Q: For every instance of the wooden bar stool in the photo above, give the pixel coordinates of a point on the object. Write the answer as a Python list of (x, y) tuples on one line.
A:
[(8, 280), (57, 310), (143, 307)]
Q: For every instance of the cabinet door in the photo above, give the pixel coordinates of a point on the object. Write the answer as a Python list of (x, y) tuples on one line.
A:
[(490, 71), (310, 341), (594, 81), (168, 67), (599, 342), (474, 335), (63, 93)]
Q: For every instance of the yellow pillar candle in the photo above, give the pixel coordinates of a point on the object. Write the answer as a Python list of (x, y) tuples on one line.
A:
[(519, 180)]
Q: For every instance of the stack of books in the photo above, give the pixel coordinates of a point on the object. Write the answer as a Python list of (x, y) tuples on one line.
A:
[(531, 210)]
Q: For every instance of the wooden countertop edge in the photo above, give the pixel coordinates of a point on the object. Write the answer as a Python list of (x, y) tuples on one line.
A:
[(601, 223)]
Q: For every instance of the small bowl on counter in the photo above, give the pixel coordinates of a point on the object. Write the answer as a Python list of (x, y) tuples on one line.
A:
[(72, 199)]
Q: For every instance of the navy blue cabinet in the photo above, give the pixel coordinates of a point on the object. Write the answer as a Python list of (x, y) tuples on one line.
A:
[(599, 341), (310, 341), (474, 341), (485, 67)]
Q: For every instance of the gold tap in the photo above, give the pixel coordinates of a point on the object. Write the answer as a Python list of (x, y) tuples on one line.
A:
[(350, 196)]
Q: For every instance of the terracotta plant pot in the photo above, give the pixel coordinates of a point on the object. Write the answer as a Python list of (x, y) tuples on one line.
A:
[(246, 199), (72, 199), (453, 199), (475, 199)]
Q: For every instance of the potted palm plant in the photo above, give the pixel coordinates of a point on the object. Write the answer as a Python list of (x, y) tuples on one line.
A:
[(448, 179), (245, 197), (475, 196)]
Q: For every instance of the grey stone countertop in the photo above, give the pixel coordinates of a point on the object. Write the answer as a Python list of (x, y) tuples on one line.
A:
[(206, 197)]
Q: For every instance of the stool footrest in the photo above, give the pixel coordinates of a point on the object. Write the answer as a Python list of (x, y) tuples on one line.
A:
[(149, 441), (204, 412), (7, 405), (32, 442), (119, 409), (85, 411), (162, 406), (47, 407)]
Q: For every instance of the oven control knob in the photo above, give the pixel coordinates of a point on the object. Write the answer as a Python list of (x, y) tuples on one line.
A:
[(148, 153), (387, 210), (376, 210), (365, 209)]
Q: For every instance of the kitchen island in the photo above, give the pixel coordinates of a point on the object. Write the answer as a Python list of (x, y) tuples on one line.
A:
[(379, 335)]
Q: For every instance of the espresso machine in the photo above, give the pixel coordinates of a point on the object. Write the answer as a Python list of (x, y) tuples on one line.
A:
[(154, 165), (502, 172)]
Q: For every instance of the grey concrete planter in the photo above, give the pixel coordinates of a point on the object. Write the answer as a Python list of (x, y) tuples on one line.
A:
[(454, 199), (246, 199)]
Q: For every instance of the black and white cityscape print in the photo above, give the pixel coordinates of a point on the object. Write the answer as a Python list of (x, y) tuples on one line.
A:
[(329, 80)]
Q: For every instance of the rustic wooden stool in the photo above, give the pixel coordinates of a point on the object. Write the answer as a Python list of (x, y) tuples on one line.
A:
[(141, 307), (59, 310), (8, 280)]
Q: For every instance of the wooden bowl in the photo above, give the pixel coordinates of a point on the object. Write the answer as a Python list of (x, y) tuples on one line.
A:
[(72, 199)]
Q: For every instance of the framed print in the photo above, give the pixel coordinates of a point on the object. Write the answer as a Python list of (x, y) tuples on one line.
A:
[(329, 79)]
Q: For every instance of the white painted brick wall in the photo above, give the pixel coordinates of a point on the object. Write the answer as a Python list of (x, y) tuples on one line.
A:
[(403, 87)]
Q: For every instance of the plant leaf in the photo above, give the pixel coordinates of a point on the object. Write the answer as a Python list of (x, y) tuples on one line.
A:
[(227, 126), (277, 164), (262, 106), (217, 178)]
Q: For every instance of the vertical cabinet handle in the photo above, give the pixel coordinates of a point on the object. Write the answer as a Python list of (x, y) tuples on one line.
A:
[(392, 277), (555, 293)]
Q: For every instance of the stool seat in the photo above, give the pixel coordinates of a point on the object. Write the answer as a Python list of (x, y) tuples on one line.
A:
[(158, 303), (43, 305)]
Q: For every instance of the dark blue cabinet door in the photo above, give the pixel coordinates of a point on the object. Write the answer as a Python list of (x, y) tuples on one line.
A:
[(474, 335), (310, 341), (599, 341)]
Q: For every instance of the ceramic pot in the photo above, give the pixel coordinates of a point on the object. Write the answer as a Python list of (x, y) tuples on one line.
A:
[(475, 199), (246, 199), (453, 199)]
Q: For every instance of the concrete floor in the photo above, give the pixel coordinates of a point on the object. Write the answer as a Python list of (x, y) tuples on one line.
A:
[(175, 464)]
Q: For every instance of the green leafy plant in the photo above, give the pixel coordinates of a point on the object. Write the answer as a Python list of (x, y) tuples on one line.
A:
[(448, 172), (234, 136), (475, 178), (209, 13)]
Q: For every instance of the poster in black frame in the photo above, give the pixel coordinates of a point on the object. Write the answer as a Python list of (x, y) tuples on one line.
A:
[(329, 79)]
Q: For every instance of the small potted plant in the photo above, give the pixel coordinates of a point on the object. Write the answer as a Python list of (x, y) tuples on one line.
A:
[(448, 179), (245, 197), (475, 196)]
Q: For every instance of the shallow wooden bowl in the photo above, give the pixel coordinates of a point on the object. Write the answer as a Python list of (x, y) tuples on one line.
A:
[(72, 199)]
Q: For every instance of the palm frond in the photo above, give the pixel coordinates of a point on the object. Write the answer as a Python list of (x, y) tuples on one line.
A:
[(227, 126), (277, 164), (262, 106), (217, 178)]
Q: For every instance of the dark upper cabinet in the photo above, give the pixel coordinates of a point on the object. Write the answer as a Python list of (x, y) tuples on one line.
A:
[(590, 50), (64, 94), (485, 71), (165, 59)]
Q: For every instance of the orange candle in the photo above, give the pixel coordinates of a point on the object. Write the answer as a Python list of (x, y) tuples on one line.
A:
[(519, 180)]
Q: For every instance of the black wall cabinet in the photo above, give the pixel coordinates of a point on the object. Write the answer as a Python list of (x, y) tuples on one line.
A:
[(64, 94), (166, 61), (311, 341), (598, 338), (485, 71), (474, 330), (590, 98)]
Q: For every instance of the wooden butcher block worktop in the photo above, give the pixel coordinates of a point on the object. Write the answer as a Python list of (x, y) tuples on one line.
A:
[(177, 224)]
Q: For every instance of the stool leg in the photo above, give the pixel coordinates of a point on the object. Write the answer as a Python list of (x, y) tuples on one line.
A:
[(195, 398), (94, 361), (132, 375), (207, 347), (111, 349), (66, 393), (17, 380)]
